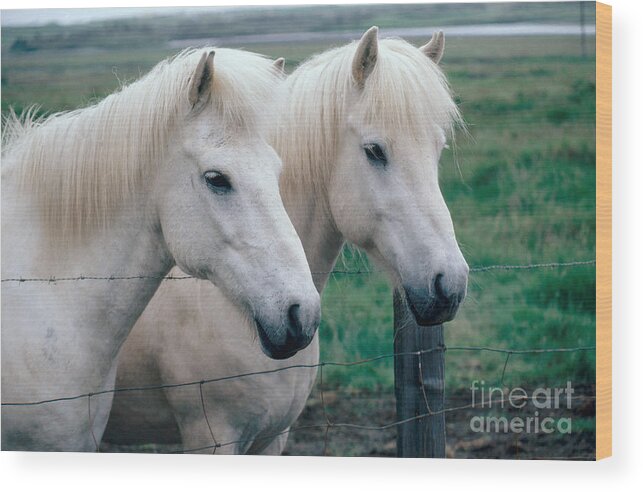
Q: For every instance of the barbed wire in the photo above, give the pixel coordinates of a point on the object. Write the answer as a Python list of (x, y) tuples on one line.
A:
[(301, 366), (329, 424), (111, 278), (532, 266)]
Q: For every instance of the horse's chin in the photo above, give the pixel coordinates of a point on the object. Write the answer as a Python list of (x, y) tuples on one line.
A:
[(270, 349)]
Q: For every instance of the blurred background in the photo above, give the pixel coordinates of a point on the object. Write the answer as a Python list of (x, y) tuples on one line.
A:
[(520, 184)]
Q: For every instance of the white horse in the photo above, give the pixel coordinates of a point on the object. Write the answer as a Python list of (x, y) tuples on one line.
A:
[(360, 137), (171, 170)]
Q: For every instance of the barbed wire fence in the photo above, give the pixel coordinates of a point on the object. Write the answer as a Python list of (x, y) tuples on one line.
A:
[(432, 408), (54, 279)]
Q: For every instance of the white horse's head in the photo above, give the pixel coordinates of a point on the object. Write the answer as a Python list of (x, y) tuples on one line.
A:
[(384, 112), (394, 130), (179, 156), (220, 210)]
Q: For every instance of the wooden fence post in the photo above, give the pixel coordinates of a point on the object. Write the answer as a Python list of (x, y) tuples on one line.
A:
[(425, 437)]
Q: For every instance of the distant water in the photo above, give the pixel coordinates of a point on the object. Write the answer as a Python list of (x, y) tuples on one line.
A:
[(65, 17), (514, 29)]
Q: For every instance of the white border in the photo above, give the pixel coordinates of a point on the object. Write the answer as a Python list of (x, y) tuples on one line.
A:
[(53, 472)]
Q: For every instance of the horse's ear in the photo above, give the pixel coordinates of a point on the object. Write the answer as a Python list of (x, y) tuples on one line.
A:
[(201, 79), (365, 56), (279, 65), (434, 49)]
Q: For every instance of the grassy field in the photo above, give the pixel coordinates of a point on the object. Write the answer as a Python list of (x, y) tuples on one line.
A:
[(521, 189), (520, 186)]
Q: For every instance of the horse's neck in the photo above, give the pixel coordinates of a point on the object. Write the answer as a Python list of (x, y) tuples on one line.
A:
[(129, 247), (317, 232)]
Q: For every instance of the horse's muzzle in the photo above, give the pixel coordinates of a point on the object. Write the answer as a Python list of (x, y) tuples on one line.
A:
[(299, 331), (436, 305)]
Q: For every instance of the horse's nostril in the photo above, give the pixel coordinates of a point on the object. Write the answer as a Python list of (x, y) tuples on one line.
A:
[(294, 325), (439, 291)]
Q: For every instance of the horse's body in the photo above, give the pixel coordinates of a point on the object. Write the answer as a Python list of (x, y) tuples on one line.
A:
[(171, 170), (241, 409), (360, 139)]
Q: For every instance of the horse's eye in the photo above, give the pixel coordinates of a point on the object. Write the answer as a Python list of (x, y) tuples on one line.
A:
[(375, 154), (217, 182)]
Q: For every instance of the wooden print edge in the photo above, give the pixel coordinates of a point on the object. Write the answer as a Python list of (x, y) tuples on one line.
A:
[(603, 230)]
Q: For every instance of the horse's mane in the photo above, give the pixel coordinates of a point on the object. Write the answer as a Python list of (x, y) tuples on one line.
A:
[(406, 93), (83, 164)]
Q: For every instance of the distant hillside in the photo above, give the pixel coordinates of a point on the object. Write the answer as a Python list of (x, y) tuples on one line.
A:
[(158, 30)]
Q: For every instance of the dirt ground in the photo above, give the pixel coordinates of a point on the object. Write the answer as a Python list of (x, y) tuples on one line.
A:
[(462, 442)]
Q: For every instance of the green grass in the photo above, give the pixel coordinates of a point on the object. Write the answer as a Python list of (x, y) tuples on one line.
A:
[(520, 187)]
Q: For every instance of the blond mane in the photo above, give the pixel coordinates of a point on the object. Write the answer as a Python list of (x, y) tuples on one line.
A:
[(83, 165), (406, 93)]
